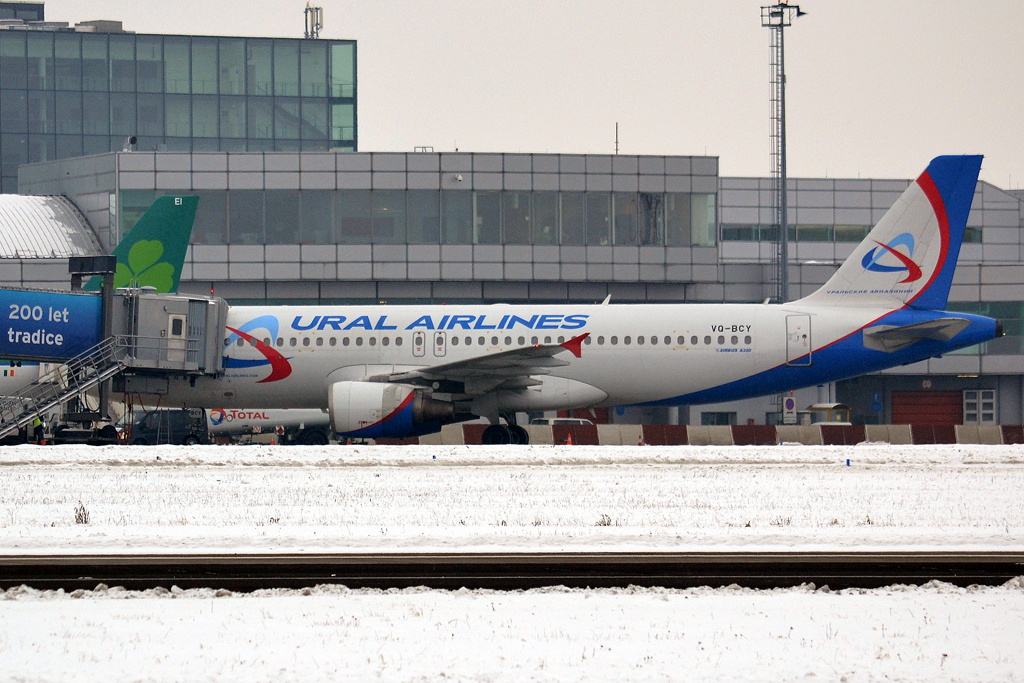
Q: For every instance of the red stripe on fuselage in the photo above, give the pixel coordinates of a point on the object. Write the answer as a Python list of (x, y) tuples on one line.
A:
[(279, 365)]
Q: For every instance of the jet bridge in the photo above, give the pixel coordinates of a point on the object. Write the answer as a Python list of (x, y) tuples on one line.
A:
[(141, 338)]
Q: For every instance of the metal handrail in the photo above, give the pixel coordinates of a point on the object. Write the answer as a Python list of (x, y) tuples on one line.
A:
[(74, 377)]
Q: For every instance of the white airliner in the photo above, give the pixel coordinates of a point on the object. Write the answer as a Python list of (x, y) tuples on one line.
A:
[(393, 371)]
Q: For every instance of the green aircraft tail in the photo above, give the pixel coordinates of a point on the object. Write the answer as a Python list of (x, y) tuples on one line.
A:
[(153, 252)]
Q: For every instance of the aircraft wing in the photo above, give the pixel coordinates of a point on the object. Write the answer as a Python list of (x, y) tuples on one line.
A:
[(891, 338), (513, 369)]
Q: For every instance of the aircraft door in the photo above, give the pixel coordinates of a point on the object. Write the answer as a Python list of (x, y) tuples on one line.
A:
[(798, 340), (440, 344), (419, 344), (176, 338)]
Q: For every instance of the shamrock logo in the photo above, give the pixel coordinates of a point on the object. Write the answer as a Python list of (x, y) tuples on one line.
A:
[(144, 268)]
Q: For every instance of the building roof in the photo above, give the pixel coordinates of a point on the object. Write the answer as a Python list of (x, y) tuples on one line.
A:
[(44, 227)]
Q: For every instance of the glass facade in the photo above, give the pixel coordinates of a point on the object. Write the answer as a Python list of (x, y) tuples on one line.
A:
[(65, 93), (442, 217), (853, 234)]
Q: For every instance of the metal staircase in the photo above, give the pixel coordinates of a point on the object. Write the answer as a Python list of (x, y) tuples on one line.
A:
[(85, 371)]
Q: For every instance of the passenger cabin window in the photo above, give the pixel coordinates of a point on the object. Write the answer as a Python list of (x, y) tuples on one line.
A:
[(508, 341), (734, 340), (721, 339), (481, 341), (344, 341), (707, 340), (600, 341), (627, 340), (305, 341), (615, 341), (319, 341), (398, 341), (385, 341), (359, 341), (241, 341), (747, 340), (522, 341), (333, 342), (280, 341), (640, 341), (693, 341)]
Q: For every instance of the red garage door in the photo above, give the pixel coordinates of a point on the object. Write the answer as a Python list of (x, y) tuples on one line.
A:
[(927, 408)]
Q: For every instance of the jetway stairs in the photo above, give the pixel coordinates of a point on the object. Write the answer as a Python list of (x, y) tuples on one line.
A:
[(65, 382)]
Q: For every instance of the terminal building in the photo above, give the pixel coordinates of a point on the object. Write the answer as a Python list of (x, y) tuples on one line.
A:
[(294, 214)]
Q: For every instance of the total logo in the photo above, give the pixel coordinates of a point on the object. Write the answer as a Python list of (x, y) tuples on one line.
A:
[(219, 416), (279, 365), (875, 260)]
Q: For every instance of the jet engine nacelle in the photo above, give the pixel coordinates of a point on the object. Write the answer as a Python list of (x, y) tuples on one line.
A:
[(376, 409)]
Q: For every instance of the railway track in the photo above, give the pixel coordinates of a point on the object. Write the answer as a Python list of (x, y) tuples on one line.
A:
[(508, 571)]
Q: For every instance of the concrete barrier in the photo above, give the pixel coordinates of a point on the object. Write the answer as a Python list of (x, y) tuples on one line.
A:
[(705, 435)]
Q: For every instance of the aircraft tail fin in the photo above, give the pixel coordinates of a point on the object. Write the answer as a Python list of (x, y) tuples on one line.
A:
[(153, 251), (909, 257)]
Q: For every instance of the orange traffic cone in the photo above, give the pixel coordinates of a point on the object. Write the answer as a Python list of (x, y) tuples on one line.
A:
[(568, 441)]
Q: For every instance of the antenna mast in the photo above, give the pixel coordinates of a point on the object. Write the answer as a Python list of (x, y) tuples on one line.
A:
[(314, 21), (777, 17)]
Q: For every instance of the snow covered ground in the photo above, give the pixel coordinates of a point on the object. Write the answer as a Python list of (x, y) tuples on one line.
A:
[(932, 633), (356, 499), (421, 498)]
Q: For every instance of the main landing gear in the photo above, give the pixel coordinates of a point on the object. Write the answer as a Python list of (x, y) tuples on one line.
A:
[(502, 435)]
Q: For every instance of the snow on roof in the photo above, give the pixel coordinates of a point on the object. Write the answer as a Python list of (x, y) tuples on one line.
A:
[(44, 227)]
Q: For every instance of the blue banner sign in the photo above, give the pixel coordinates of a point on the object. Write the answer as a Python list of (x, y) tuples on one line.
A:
[(48, 325)]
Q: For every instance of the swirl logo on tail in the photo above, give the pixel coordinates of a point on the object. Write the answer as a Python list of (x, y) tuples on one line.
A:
[(871, 259)]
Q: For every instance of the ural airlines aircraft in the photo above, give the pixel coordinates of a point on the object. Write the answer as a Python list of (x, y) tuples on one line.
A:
[(394, 371)]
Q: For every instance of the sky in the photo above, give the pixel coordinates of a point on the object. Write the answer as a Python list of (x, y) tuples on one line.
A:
[(874, 89)]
